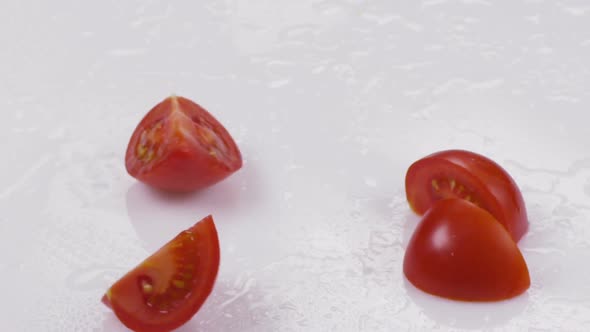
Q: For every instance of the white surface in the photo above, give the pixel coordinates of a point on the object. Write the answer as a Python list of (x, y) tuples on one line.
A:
[(330, 101)]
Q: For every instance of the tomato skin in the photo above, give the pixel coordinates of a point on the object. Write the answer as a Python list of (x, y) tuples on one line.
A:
[(459, 251), (495, 189), (183, 160), (130, 305)]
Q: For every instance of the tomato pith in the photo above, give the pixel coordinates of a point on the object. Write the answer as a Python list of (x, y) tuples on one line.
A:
[(459, 251), (179, 146), (469, 176), (168, 288)]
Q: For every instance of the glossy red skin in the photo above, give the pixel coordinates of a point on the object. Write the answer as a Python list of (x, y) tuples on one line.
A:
[(126, 300), (496, 190), (186, 164), (459, 251)]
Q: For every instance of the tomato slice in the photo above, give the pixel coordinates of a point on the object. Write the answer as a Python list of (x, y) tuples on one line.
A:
[(179, 146), (472, 177), (459, 251), (168, 288)]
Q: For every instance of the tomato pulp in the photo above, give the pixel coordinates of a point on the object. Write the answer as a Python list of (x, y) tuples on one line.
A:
[(459, 251), (169, 287), (179, 146), (469, 176)]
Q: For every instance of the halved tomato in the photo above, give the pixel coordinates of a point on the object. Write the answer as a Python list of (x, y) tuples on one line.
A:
[(179, 146), (168, 288), (459, 251), (472, 177)]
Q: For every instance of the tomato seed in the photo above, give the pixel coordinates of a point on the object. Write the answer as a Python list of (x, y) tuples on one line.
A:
[(435, 185), (460, 189), (146, 287), (178, 283)]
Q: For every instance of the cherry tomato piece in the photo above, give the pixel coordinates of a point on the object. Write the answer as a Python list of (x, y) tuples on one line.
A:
[(459, 251), (169, 287), (469, 176), (179, 146)]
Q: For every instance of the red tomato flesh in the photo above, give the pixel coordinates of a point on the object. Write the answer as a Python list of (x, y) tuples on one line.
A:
[(179, 146), (169, 287), (459, 251), (469, 176)]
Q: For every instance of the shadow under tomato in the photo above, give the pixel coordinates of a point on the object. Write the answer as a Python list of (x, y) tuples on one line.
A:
[(235, 306), (467, 315), (111, 323), (157, 216), (411, 221)]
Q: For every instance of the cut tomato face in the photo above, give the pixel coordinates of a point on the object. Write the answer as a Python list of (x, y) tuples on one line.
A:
[(459, 251), (168, 288), (179, 146), (469, 176)]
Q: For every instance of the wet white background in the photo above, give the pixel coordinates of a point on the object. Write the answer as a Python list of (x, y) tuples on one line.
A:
[(330, 102)]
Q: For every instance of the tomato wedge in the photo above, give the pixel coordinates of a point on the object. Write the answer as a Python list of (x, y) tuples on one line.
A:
[(472, 177), (179, 146), (168, 288), (459, 251)]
